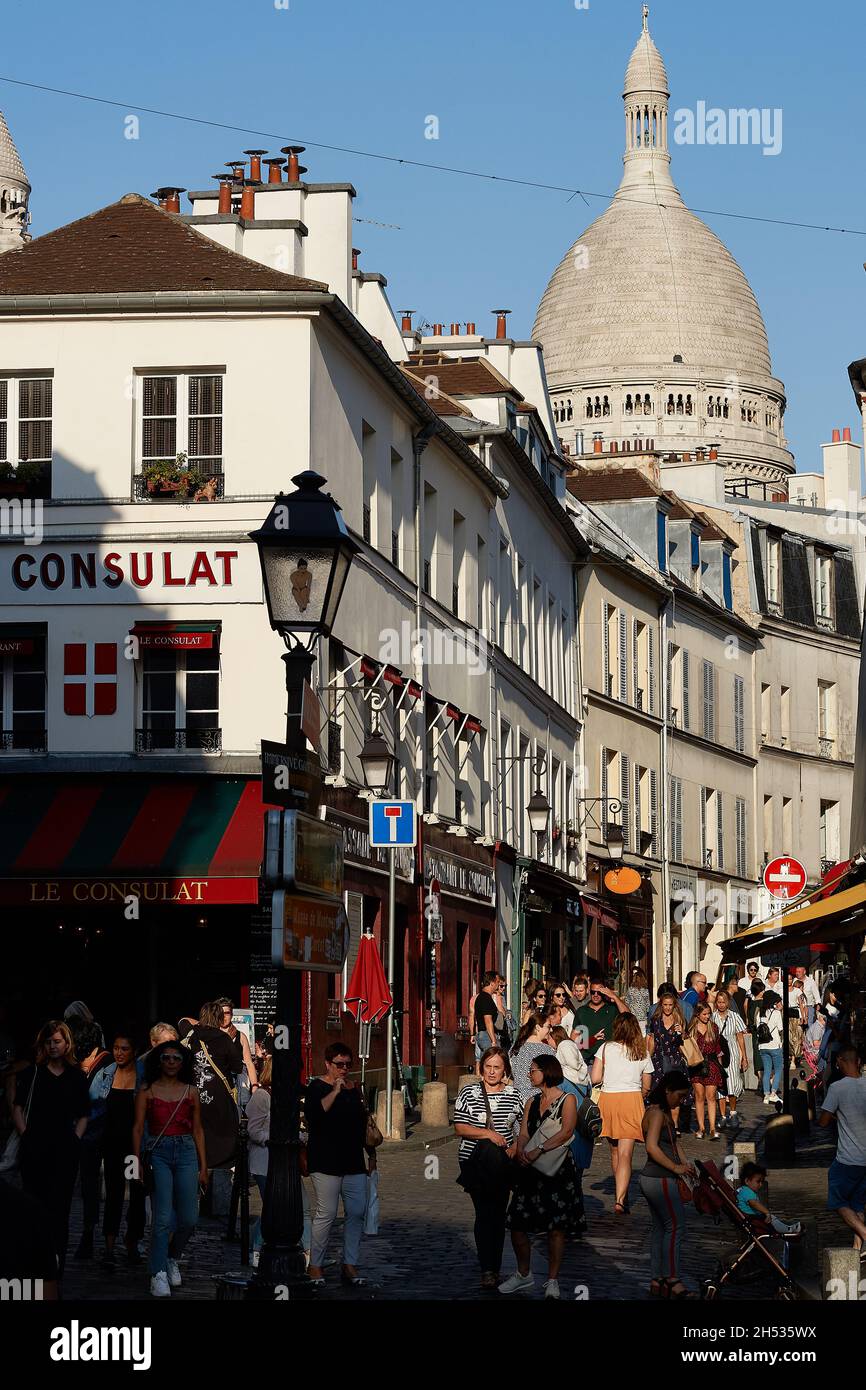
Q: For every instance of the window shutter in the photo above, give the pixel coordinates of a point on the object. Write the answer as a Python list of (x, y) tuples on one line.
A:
[(638, 822), (651, 670), (709, 729), (606, 645), (623, 657), (355, 914), (604, 791), (669, 678), (654, 812), (624, 780), (677, 810), (720, 830), (704, 846), (686, 721), (741, 837), (635, 650), (739, 716)]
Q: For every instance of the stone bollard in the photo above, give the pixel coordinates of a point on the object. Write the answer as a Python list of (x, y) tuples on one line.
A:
[(841, 1274), (779, 1139), (398, 1115), (799, 1100), (468, 1078), (434, 1104), (742, 1152)]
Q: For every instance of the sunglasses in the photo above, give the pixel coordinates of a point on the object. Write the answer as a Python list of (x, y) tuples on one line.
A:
[(342, 1066), (559, 994), (170, 1057), (596, 991)]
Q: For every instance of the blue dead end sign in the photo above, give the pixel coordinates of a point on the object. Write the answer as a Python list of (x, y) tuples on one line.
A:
[(392, 823)]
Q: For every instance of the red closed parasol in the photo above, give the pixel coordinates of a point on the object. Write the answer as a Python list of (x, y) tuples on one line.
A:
[(368, 997)]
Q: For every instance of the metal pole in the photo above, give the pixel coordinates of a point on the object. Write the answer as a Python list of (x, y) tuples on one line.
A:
[(389, 1055), (786, 1046)]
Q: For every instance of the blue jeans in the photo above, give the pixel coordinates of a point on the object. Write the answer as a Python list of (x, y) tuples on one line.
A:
[(175, 1195), (772, 1058)]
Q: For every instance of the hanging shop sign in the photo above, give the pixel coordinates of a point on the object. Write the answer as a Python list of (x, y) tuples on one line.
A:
[(461, 876), (308, 933), (623, 879)]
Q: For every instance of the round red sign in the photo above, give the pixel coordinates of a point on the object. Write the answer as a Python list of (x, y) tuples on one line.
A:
[(784, 877)]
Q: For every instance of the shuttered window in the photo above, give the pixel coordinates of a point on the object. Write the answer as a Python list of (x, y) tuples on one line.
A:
[(637, 695), (675, 812), (623, 657), (651, 670), (638, 818), (720, 831), (654, 812), (183, 414), (686, 720), (704, 845), (739, 715), (605, 637), (742, 866), (355, 914), (709, 701), (624, 781)]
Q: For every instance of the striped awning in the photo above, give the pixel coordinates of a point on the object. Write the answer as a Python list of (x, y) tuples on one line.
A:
[(834, 918), (125, 829)]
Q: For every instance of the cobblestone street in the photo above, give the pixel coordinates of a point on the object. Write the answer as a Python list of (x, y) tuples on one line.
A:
[(425, 1249)]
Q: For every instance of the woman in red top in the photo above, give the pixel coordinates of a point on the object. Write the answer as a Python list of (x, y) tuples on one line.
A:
[(704, 1032), (169, 1104)]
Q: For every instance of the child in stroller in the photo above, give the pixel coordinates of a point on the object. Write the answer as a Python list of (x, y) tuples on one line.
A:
[(749, 1203)]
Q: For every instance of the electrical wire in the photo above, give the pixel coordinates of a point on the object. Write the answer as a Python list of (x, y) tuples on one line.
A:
[(426, 164)]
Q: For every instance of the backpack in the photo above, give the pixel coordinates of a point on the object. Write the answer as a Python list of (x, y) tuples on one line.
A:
[(589, 1122), (764, 1034)]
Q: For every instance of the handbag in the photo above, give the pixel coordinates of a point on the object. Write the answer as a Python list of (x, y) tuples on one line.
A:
[(549, 1162), (146, 1162), (597, 1090), (11, 1159), (373, 1135), (692, 1053), (488, 1165)]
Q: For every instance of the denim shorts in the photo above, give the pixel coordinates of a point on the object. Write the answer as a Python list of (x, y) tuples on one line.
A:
[(482, 1042), (846, 1186)]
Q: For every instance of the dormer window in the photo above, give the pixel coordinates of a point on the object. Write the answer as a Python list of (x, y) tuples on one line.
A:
[(696, 551), (662, 541), (824, 589), (727, 587), (774, 584)]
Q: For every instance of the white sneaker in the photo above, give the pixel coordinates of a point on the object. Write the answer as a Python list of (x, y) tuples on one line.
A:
[(159, 1285), (254, 1258), (767, 1099), (551, 1289), (517, 1281), (173, 1272)]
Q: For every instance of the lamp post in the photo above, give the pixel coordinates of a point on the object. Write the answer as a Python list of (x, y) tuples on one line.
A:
[(305, 553)]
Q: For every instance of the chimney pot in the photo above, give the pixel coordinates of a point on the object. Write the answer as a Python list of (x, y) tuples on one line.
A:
[(275, 172), (455, 330), (714, 454), (238, 169), (597, 446), (355, 254), (169, 197), (835, 436), (437, 330), (406, 324), (293, 172), (225, 197), (470, 329), (500, 321), (248, 200), (846, 434), (614, 447), (687, 458), (255, 164)]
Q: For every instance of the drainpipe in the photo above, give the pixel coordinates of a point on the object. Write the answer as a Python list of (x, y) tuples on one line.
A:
[(663, 797), (419, 444)]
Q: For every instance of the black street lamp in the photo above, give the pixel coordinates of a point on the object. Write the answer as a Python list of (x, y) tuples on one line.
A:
[(305, 553), (377, 763)]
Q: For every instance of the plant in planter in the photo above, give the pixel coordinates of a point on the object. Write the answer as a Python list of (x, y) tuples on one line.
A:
[(21, 480), (167, 477)]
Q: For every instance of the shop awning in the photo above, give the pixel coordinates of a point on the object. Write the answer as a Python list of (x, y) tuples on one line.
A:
[(56, 833), (598, 912), (835, 918), (186, 636)]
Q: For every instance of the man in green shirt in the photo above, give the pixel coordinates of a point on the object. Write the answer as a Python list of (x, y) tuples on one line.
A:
[(594, 1020)]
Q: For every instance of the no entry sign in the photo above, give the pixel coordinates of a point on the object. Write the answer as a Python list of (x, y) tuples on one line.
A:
[(784, 877)]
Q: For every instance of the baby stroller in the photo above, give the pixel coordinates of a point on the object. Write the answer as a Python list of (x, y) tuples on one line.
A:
[(713, 1196)]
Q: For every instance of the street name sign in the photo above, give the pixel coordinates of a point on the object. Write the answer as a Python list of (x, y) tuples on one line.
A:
[(290, 778), (392, 823)]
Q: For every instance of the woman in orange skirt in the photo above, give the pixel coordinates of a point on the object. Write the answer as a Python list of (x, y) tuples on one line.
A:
[(623, 1069)]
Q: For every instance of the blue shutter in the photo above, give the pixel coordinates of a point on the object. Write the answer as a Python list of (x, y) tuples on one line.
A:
[(662, 540)]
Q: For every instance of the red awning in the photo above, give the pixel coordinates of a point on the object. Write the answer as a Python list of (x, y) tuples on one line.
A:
[(599, 913), (175, 635)]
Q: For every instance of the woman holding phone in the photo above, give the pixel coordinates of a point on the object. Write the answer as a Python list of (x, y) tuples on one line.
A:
[(169, 1104)]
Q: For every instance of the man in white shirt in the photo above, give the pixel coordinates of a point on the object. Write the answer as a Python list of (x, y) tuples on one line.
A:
[(753, 972), (811, 992), (845, 1102)]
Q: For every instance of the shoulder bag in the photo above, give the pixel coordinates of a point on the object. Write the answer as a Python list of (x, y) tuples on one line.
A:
[(373, 1135), (550, 1162), (11, 1158), (146, 1162), (232, 1090), (597, 1090), (488, 1165)]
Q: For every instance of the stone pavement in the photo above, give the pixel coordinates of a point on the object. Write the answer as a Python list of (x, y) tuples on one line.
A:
[(425, 1249)]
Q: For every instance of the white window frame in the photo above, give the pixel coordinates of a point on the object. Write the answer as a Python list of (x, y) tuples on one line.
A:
[(8, 709), (12, 420), (824, 588), (774, 565), (183, 376), (180, 705)]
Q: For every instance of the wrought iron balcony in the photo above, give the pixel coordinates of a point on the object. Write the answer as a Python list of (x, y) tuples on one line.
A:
[(24, 740), (178, 740)]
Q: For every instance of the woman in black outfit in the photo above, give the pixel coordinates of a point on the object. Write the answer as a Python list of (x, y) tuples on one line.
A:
[(50, 1113), (217, 1059), (337, 1125), (118, 1085)]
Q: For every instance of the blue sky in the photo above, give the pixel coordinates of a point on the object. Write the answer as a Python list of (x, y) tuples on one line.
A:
[(526, 89)]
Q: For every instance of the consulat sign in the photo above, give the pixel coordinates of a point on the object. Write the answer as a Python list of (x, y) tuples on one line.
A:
[(103, 573), (66, 892)]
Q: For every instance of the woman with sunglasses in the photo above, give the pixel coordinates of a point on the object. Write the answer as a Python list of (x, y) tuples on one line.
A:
[(168, 1103), (562, 1015), (337, 1126), (532, 990)]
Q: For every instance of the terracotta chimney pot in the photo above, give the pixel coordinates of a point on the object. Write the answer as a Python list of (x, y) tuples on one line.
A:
[(248, 200), (500, 322)]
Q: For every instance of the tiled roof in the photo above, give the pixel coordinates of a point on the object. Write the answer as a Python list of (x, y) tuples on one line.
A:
[(133, 246), (436, 399), (610, 485), (466, 376)]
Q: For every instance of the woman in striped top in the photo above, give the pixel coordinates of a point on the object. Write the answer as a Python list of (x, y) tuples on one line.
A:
[(485, 1117)]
